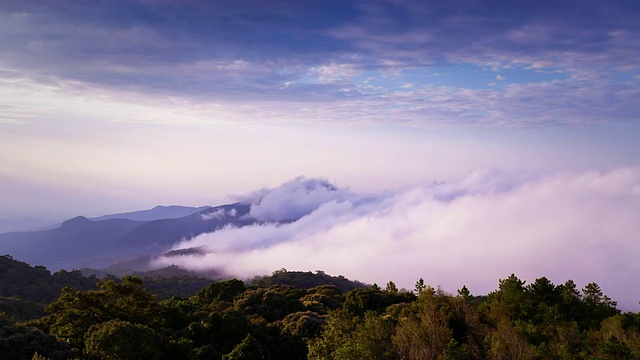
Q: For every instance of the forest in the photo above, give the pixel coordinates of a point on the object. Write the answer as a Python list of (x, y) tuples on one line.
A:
[(302, 315)]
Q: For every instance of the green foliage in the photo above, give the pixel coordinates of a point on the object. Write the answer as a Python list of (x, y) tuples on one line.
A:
[(304, 324), (168, 287), (220, 291), (505, 342), (75, 312), (222, 330), (464, 293), (116, 340), (24, 290), (37, 356), (420, 286), (422, 331), (614, 349), (391, 287), (248, 349), (321, 302), (339, 326), (22, 342), (371, 339), (272, 303), (306, 280), (21, 309), (121, 319), (454, 351), (358, 301)]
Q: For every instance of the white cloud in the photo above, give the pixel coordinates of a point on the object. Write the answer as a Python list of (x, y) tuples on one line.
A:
[(218, 214), (482, 228), (295, 199), (333, 72)]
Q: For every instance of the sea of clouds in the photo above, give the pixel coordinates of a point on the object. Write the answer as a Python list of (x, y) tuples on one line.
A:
[(473, 231)]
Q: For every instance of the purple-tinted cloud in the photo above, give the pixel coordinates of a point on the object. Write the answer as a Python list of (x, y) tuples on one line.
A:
[(309, 54), (579, 226), (295, 199)]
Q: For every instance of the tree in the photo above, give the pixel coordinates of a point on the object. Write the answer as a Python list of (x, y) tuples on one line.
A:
[(305, 324), (422, 331), (220, 291), (371, 339), (391, 287), (37, 356), (320, 303), (598, 306), (248, 349), (506, 343), (615, 350), (464, 293), (510, 300), (347, 337), (273, 303), (336, 332), (592, 294), (358, 301), (420, 286), (454, 351), (222, 330), (570, 291), (116, 340), (544, 291), (22, 342), (75, 312)]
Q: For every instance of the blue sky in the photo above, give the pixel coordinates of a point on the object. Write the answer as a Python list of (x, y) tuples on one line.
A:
[(507, 129)]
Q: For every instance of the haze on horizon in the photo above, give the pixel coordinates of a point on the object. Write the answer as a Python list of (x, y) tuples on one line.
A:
[(123, 105)]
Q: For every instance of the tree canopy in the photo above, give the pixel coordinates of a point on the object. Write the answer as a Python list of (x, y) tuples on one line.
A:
[(231, 319)]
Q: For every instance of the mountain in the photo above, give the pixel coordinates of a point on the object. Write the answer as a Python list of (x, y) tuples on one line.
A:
[(157, 213), (81, 242), (127, 242)]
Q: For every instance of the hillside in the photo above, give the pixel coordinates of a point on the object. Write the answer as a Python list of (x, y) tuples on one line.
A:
[(271, 320), (24, 289), (81, 242)]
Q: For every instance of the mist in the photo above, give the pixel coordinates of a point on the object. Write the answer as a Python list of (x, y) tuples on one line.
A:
[(483, 227)]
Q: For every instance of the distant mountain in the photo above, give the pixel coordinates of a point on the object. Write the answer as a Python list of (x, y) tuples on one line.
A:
[(82, 242), (127, 242), (157, 213)]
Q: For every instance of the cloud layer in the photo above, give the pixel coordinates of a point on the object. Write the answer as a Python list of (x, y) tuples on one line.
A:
[(524, 64), (484, 227)]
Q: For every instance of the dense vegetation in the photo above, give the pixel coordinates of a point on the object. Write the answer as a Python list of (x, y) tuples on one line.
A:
[(24, 290), (120, 319)]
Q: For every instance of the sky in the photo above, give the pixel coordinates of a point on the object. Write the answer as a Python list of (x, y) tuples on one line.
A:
[(112, 106)]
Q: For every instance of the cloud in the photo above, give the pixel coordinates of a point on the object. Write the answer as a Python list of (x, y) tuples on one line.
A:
[(218, 214), (580, 226), (336, 72), (294, 199), (248, 58)]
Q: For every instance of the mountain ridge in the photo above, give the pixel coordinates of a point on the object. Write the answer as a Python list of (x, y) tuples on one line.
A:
[(82, 242), (156, 213)]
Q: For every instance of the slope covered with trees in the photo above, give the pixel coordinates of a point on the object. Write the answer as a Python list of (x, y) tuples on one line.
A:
[(231, 319)]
